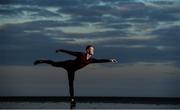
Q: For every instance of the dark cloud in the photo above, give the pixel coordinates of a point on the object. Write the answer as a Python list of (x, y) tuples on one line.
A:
[(7, 1), (41, 2), (90, 19), (81, 11), (169, 34), (118, 26), (23, 10), (7, 12)]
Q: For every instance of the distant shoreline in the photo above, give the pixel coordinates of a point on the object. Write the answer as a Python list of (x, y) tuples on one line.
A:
[(94, 99)]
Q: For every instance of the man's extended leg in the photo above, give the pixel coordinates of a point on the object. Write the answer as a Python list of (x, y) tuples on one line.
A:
[(56, 64), (44, 61)]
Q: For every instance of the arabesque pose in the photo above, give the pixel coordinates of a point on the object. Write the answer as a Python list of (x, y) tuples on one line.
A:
[(71, 66)]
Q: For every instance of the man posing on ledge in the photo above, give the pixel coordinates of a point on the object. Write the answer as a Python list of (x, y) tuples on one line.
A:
[(71, 66)]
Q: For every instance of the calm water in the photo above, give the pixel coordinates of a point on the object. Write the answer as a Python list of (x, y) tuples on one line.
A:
[(81, 105)]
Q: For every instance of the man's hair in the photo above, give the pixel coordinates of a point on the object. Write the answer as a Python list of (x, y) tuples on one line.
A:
[(88, 46)]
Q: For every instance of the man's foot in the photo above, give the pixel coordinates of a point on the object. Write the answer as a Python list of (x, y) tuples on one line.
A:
[(73, 101), (38, 62)]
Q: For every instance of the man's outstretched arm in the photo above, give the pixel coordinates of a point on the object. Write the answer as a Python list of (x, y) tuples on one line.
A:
[(68, 52), (103, 60)]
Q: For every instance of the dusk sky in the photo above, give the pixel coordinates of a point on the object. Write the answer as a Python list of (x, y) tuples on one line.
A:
[(143, 35)]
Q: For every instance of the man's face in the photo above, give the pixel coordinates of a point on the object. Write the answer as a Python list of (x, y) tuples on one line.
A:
[(90, 50)]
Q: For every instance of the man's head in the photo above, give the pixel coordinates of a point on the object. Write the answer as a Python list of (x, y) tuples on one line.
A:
[(90, 49)]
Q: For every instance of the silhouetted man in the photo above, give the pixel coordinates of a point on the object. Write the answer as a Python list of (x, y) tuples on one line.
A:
[(82, 59)]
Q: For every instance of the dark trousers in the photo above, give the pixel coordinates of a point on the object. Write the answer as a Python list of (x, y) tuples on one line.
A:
[(71, 83), (66, 65)]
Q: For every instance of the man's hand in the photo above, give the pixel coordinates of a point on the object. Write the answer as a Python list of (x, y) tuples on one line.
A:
[(114, 60)]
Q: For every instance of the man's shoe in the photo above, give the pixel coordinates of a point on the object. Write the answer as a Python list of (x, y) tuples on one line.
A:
[(73, 101)]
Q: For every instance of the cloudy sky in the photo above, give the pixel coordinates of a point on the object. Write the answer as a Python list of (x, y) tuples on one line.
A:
[(142, 35)]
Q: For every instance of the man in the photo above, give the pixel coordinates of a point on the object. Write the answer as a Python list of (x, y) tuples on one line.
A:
[(82, 59)]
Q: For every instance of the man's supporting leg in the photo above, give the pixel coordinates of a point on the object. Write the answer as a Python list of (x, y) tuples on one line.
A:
[(71, 75)]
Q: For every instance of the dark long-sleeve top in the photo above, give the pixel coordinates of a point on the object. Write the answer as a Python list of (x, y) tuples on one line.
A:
[(81, 60)]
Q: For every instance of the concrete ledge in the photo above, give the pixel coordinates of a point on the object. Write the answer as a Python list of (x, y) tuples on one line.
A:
[(93, 99)]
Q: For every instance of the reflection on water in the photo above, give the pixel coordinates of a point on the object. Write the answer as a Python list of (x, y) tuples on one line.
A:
[(82, 105)]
